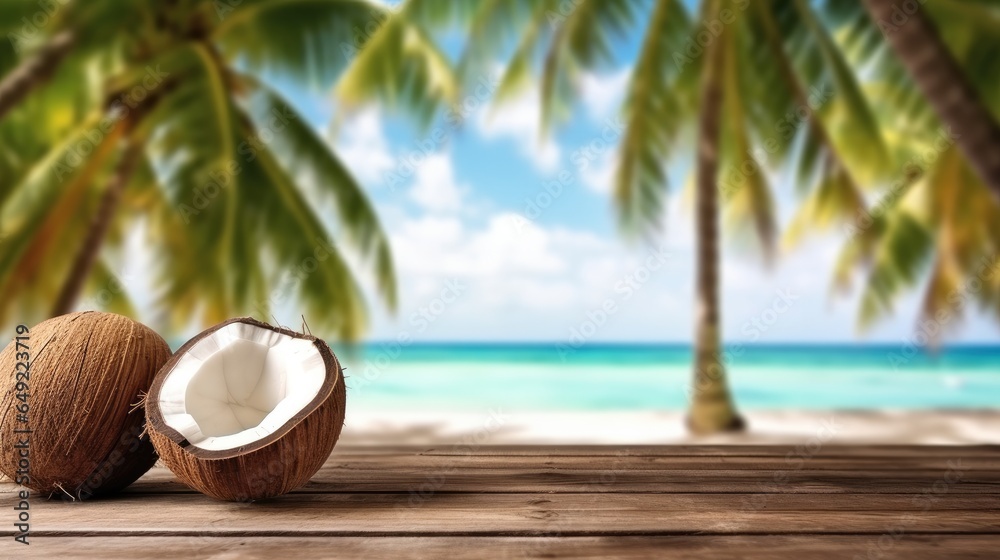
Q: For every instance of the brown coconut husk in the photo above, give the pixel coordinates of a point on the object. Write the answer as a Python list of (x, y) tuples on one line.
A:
[(271, 466), (87, 370)]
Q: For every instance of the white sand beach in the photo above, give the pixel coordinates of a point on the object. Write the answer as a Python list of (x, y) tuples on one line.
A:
[(937, 427)]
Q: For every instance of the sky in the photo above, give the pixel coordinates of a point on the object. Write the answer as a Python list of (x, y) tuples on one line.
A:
[(502, 234)]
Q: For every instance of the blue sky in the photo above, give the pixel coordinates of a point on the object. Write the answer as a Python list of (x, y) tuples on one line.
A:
[(457, 202)]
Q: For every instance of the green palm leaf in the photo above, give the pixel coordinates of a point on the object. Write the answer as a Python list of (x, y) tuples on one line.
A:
[(311, 41), (299, 147), (653, 119), (401, 66), (332, 297)]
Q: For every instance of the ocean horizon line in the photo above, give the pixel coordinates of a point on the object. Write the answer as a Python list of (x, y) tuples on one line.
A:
[(500, 344)]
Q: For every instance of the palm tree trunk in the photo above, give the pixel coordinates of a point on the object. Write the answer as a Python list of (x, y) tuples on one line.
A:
[(712, 408), (34, 71), (938, 75), (85, 258)]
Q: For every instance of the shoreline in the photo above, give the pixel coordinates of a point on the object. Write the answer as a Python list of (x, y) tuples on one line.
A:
[(794, 427)]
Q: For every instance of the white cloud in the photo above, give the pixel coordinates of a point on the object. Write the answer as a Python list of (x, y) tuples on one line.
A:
[(442, 245), (602, 94), (434, 187), (519, 120), (361, 144), (524, 280)]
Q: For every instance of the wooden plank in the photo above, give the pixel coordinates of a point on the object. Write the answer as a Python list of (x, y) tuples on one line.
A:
[(626, 462), (512, 515), (824, 450), (816, 547), (626, 485), (405, 473), (633, 481), (667, 462), (625, 458)]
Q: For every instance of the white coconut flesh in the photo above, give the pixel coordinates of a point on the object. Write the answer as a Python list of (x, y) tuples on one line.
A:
[(239, 385)]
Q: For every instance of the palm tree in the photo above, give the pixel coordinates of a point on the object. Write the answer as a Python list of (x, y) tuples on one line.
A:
[(712, 406), (943, 226), (158, 118), (735, 91), (936, 227), (916, 41)]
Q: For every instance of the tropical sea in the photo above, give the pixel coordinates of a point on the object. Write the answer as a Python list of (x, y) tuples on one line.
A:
[(547, 377)]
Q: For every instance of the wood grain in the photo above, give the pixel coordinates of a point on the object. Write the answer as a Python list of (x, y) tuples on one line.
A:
[(829, 450), (655, 482), (813, 547), (515, 514), (562, 502)]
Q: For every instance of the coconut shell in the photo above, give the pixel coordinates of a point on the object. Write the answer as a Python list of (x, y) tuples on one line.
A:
[(271, 466), (88, 374)]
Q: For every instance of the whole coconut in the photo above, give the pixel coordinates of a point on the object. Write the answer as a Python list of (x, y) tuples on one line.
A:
[(88, 374)]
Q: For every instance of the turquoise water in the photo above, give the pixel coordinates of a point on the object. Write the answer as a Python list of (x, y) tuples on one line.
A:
[(537, 377)]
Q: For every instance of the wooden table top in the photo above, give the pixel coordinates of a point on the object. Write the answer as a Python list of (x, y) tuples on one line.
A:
[(558, 502)]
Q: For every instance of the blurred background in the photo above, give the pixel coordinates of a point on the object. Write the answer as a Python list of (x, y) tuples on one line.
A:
[(533, 221)]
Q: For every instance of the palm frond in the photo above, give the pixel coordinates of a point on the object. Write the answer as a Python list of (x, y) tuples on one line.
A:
[(747, 195), (401, 66), (653, 118), (905, 252), (299, 147), (330, 294), (581, 40), (311, 41), (860, 128)]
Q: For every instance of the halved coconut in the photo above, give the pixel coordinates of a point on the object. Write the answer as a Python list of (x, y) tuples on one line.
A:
[(86, 375), (246, 410)]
